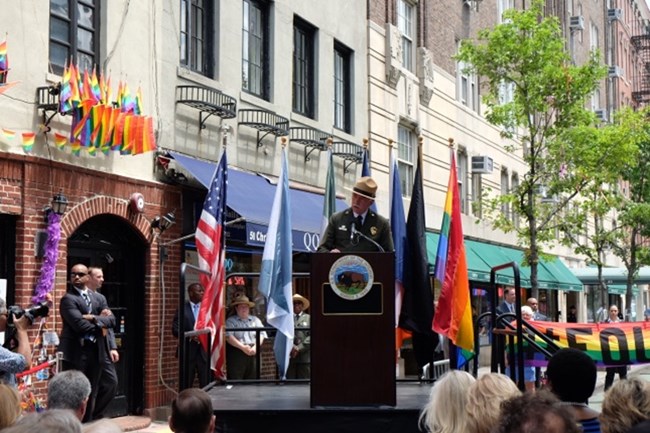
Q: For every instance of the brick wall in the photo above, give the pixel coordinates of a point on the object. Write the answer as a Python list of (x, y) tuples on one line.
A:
[(27, 186)]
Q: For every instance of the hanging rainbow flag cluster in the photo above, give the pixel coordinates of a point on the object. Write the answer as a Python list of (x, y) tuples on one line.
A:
[(98, 124), (4, 69)]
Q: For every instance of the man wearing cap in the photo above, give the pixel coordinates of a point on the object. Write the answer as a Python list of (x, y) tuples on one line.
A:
[(242, 347), (358, 228), (299, 358)]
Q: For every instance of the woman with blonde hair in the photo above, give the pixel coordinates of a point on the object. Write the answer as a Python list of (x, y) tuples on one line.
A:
[(626, 404), (484, 401), (445, 411), (9, 405)]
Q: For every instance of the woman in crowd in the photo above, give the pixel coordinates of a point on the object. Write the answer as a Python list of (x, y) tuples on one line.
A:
[(484, 401), (9, 405), (445, 411), (626, 404)]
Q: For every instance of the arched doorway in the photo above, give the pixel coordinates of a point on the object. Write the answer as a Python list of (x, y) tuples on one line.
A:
[(113, 244)]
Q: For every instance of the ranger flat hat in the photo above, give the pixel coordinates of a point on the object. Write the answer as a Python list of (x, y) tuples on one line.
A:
[(365, 187), (243, 299), (304, 301)]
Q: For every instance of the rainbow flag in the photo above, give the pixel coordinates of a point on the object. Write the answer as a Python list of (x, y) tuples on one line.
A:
[(453, 316), (8, 133), (60, 140), (28, 141), (4, 62)]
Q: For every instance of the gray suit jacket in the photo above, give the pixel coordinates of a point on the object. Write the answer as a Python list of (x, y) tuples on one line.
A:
[(337, 234)]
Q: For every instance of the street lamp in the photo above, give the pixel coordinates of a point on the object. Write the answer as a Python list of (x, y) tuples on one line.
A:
[(164, 222), (59, 203)]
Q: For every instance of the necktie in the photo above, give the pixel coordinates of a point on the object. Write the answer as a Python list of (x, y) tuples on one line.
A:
[(88, 303), (195, 310), (359, 221), (512, 308)]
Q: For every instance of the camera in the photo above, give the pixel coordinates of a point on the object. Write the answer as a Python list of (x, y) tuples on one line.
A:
[(39, 310)]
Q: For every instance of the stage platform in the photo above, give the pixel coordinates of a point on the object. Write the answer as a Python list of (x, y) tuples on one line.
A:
[(242, 408)]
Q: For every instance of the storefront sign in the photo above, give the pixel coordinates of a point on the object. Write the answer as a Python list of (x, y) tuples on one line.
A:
[(302, 241)]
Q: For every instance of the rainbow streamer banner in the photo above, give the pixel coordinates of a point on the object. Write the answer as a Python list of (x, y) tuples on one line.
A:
[(28, 141), (453, 316), (608, 344), (4, 62)]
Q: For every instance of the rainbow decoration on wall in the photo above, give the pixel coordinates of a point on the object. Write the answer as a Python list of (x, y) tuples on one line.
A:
[(99, 124)]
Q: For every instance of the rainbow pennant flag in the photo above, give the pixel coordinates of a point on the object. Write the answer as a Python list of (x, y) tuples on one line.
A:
[(8, 133), (28, 141), (4, 62), (453, 316), (60, 140)]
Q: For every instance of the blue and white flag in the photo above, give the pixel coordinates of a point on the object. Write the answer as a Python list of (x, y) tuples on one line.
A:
[(275, 277), (365, 171), (398, 230)]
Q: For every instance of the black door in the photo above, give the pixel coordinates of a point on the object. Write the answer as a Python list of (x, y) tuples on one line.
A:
[(109, 242)]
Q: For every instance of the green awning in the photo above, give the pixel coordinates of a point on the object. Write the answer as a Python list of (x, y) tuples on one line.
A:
[(621, 289), (482, 257)]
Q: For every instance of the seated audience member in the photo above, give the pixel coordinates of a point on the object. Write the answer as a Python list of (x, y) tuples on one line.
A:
[(626, 404), (192, 412), (484, 399), (9, 405), (49, 421), (535, 412), (529, 370), (445, 411), (70, 390), (571, 376), (642, 427)]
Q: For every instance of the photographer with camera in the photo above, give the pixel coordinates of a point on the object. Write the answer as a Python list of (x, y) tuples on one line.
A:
[(17, 361)]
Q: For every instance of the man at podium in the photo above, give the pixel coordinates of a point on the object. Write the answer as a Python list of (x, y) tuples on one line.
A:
[(358, 228)]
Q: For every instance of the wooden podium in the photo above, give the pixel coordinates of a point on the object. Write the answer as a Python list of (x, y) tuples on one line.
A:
[(352, 329)]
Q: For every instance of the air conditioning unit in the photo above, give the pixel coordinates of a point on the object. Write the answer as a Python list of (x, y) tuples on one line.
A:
[(601, 114), (577, 23), (550, 199), (482, 164), (614, 14), (615, 72)]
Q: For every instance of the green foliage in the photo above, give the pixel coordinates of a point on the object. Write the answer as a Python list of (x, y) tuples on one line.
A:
[(552, 131)]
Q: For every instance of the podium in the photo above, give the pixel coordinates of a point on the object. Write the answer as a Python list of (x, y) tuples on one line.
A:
[(352, 329)]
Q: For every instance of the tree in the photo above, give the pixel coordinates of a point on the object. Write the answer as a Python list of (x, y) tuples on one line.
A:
[(588, 226), (634, 210), (546, 117)]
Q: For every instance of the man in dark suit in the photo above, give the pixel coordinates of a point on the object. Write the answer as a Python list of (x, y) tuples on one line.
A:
[(509, 301), (358, 228), (534, 304), (108, 381), (196, 357), (86, 321)]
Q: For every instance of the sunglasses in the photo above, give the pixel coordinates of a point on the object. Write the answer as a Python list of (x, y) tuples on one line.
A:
[(78, 274)]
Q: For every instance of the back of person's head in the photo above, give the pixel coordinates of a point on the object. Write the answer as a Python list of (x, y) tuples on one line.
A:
[(536, 412), (3, 306), (49, 421), (572, 375), (626, 404), (9, 405), (101, 426), (445, 410), (484, 401), (192, 412), (69, 389)]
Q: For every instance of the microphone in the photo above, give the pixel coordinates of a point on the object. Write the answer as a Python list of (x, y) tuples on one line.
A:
[(353, 230)]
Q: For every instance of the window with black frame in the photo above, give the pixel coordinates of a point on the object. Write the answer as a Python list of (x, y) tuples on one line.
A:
[(197, 30), (342, 87), (74, 30), (303, 68), (255, 48)]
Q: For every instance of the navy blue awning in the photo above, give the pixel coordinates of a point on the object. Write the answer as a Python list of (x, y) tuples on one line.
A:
[(251, 196)]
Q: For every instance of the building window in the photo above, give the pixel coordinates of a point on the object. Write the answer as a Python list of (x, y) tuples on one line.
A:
[(593, 37), (406, 142), (462, 179), (505, 208), (477, 195), (303, 68), (467, 87), (255, 48), (197, 29), (405, 20), (342, 87), (74, 30), (502, 6)]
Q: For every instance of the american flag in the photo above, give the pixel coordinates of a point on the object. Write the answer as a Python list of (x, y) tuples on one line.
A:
[(211, 246)]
